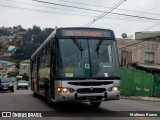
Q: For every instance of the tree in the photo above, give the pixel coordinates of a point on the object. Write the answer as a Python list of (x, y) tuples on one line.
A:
[(48, 30), (25, 77), (4, 32), (36, 30), (25, 51), (28, 48)]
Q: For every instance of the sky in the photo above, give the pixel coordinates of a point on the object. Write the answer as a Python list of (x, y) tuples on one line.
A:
[(29, 12)]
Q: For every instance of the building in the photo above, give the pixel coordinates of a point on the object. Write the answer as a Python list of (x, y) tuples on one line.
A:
[(6, 67), (146, 34), (24, 67), (145, 50), (11, 67)]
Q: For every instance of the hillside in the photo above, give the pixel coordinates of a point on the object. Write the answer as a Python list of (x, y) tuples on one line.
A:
[(17, 43)]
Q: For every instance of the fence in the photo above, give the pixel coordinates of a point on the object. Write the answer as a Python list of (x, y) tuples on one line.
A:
[(139, 83)]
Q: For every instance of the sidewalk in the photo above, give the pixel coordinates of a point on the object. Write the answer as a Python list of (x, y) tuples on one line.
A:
[(156, 99)]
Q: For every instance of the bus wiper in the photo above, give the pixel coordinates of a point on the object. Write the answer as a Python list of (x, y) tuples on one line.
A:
[(78, 45), (98, 46)]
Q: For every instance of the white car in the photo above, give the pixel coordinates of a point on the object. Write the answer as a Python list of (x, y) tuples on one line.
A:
[(22, 84)]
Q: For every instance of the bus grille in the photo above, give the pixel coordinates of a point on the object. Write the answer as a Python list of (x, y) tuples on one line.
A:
[(91, 83), (88, 90)]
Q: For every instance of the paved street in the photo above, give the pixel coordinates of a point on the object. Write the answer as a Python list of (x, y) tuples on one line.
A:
[(23, 100)]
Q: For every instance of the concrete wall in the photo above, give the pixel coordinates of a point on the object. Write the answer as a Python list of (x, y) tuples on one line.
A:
[(139, 50), (24, 67)]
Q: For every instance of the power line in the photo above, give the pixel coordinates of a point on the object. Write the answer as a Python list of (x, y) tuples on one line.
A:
[(63, 13), (142, 45), (84, 4), (105, 13), (50, 12), (47, 7), (46, 11), (148, 28), (152, 26), (42, 11), (135, 16), (106, 7), (66, 14), (66, 5), (139, 15), (131, 44), (93, 10), (59, 9)]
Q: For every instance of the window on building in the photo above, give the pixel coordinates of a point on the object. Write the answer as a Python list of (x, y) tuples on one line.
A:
[(126, 58), (149, 57)]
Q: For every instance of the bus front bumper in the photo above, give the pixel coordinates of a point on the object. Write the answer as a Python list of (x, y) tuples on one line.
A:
[(67, 97)]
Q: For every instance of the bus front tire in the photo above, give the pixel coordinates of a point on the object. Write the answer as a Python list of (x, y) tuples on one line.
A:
[(49, 102), (95, 104), (34, 93)]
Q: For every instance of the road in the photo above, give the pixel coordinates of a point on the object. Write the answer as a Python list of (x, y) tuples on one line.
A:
[(23, 100)]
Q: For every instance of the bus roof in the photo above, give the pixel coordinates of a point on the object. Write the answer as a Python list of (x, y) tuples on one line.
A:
[(76, 31)]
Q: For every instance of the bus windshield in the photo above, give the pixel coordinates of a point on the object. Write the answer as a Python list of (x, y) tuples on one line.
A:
[(87, 58)]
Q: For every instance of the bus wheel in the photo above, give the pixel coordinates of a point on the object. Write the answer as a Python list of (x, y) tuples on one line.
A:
[(95, 104), (34, 93)]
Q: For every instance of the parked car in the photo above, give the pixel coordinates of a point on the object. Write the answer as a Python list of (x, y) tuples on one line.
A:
[(22, 84), (6, 84)]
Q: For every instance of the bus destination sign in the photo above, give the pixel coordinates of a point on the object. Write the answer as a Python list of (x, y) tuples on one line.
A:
[(86, 33)]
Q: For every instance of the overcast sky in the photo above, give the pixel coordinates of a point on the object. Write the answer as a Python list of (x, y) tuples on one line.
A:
[(28, 13)]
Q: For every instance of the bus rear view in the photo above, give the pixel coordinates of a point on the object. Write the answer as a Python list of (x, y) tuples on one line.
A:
[(84, 66)]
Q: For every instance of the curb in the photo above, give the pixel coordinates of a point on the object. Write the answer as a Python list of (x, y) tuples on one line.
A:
[(155, 99)]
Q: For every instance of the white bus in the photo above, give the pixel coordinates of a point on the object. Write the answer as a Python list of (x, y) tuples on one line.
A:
[(77, 64)]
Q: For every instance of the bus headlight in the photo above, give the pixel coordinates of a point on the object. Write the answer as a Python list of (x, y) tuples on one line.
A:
[(59, 90), (114, 89), (65, 90)]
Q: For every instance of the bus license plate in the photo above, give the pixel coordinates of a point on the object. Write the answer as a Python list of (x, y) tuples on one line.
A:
[(91, 98), (5, 88)]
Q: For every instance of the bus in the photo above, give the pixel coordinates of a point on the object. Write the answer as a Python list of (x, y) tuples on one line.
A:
[(77, 64)]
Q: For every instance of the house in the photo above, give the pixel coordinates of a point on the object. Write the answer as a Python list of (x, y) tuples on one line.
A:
[(24, 67), (144, 50), (11, 67), (6, 67)]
